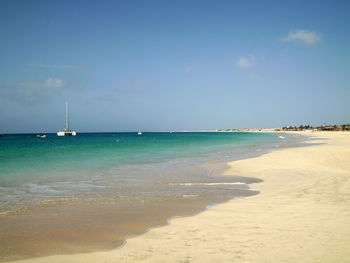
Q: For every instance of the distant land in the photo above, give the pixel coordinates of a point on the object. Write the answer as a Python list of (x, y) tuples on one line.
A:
[(335, 127)]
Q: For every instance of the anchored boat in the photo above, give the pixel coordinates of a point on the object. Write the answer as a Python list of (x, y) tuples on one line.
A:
[(67, 131)]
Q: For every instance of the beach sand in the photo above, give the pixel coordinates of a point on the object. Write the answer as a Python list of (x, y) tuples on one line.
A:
[(301, 215)]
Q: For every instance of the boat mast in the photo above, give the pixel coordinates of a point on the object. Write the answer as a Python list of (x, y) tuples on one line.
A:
[(67, 123)]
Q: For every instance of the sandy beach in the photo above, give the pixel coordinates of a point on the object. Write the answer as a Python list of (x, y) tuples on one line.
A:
[(301, 215)]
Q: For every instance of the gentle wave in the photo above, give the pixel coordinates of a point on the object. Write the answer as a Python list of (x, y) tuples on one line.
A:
[(209, 184)]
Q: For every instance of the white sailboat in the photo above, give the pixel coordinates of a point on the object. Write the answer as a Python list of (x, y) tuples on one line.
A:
[(67, 131)]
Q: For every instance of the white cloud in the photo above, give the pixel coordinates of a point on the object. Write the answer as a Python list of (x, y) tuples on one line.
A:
[(246, 62), (54, 83), (302, 36)]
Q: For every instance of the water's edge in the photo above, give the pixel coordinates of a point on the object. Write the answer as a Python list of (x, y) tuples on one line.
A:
[(209, 206), (215, 171)]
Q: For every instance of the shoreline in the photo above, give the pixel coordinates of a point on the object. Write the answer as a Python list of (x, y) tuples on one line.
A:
[(197, 238), (23, 237)]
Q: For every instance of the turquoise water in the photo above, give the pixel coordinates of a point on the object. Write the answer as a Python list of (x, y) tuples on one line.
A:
[(123, 166), (26, 158)]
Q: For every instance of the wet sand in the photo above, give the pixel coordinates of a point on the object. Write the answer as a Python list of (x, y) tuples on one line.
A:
[(87, 225), (301, 215)]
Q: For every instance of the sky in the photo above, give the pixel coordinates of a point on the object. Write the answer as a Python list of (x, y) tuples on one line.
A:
[(173, 65)]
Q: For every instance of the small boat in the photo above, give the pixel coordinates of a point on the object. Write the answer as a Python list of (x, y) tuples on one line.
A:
[(41, 136), (67, 130), (139, 133)]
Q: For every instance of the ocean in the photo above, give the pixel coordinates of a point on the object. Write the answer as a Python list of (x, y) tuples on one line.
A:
[(96, 189)]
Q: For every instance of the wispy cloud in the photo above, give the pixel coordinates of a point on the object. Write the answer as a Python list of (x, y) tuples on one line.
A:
[(246, 62), (31, 91), (54, 83), (50, 83), (57, 66), (302, 37)]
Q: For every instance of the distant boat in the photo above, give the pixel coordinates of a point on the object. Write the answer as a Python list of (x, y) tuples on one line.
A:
[(139, 133), (67, 131), (41, 136)]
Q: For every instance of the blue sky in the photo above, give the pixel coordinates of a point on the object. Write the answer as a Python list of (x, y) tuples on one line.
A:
[(173, 65)]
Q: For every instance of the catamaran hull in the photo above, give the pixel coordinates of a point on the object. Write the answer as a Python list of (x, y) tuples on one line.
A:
[(66, 133)]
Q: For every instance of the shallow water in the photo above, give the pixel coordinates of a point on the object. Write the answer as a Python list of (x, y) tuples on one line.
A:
[(86, 193)]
